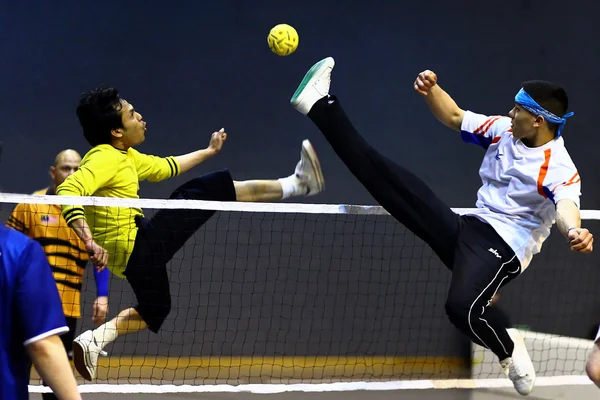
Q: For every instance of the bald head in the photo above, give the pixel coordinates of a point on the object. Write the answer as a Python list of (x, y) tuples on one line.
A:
[(67, 155), (65, 163)]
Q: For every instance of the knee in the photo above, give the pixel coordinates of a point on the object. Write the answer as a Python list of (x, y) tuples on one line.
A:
[(457, 310), (163, 308), (155, 313), (592, 368)]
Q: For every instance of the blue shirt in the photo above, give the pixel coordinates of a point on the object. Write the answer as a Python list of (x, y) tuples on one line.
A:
[(30, 308)]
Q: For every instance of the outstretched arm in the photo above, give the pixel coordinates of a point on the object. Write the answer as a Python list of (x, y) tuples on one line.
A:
[(190, 160), (443, 107)]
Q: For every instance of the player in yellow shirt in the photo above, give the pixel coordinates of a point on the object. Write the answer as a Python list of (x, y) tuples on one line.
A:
[(136, 248), (65, 252)]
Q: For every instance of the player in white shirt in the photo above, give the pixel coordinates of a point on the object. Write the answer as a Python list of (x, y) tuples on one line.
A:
[(593, 364), (529, 181)]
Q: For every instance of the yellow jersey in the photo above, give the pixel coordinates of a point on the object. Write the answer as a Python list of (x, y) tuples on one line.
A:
[(109, 172)]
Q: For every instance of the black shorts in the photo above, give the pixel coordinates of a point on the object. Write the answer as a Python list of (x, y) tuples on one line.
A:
[(159, 238)]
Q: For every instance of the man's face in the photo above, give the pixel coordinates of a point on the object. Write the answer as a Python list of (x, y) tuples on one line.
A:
[(523, 122), (134, 127), (66, 165)]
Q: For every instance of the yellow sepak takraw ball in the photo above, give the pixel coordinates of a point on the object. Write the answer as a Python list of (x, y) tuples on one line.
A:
[(283, 40)]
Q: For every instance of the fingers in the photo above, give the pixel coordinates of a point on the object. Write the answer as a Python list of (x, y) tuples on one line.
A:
[(418, 88), (99, 316), (100, 310), (98, 256), (428, 76), (217, 139), (100, 260), (424, 82), (583, 242), (583, 247), (219, 135), (103, 258), (99, 319)]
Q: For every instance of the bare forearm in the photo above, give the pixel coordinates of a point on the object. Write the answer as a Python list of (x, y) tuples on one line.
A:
[(567, 216), (444, 108), (190, 160), (50, 360), (82, 229)]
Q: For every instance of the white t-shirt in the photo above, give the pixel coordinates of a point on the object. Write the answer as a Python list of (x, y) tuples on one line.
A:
[(521, 185)]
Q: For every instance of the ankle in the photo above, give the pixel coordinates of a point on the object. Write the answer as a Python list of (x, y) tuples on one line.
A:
[(105, 334), (290, 186)]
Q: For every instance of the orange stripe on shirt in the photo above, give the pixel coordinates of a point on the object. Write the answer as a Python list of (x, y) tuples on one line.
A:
[(573, 177), (572, 180), (543, 172), (483, 128)]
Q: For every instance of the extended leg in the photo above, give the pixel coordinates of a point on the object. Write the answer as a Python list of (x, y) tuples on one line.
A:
[(399, 191)]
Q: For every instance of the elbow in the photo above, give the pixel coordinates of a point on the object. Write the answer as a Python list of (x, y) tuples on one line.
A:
[(568, 209), (453, 119), (567, 215), (39, 349), (43, 348)]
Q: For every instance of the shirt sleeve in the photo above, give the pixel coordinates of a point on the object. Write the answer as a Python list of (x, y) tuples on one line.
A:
[(566, 183), (483, 130), (20, 218), (39, 310), (98, 167), (153, 168)]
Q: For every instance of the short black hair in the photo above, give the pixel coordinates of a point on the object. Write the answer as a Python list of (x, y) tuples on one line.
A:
[(548, 95), (99, 112)]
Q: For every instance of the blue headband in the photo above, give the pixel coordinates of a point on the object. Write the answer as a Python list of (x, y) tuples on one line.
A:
[(525, 101)]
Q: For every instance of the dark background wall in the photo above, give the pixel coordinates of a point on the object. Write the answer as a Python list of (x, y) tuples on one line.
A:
[(193, 67)]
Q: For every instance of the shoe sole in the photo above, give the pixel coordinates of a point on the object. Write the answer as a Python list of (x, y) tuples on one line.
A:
[(311, 155), (312, 72), (79, 361)]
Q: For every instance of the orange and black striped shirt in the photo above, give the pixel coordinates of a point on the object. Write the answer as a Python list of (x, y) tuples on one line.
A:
[(65, 251)]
